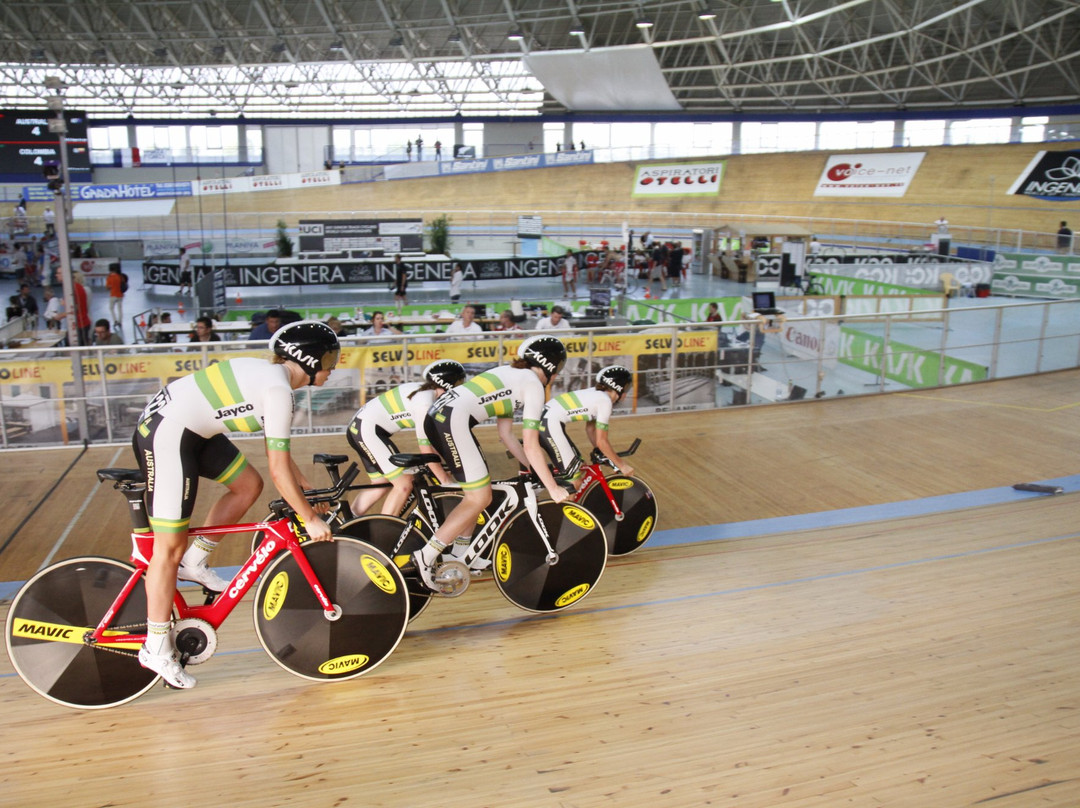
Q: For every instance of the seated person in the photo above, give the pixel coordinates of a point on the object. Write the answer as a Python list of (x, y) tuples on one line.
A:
[(466, 323), (103, 334), (269, 325), (204, 331)]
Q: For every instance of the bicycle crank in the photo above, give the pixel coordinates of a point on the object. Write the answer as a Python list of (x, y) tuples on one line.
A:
[(195, 639), (451, 579)]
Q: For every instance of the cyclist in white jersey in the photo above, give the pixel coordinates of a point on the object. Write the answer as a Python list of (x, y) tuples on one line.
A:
[(403, 407), (493, 394), (181, 437), (593, 406)]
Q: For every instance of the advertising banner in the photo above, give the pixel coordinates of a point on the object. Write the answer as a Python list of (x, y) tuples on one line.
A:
[(1051, 175), (884, 174), (366, 235), (678, 179), (906, 364)]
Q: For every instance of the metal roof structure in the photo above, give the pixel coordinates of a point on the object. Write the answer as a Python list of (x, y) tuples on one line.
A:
[(427, 58)]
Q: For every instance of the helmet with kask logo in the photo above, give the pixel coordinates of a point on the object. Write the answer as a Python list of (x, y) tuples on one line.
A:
[(614, 376), (313, 345), (544, 352), (445, 372)]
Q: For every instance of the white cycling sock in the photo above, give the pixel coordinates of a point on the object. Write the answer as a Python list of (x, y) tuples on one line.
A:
[(461, 546), (431, 551), (157, 638), (199, 552)]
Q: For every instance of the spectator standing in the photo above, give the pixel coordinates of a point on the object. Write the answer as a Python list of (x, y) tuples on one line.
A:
[(438, 150), (82, 307), (1064, 239), (54, 309), (185, 271), (569, 274), (419, 148), (408, 151), (49, 216), (115, 282), (401, 282), (457, 275)]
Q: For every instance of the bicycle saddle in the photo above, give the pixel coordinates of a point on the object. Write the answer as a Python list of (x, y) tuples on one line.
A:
[(329, 459), (121, 475), (408, 460)]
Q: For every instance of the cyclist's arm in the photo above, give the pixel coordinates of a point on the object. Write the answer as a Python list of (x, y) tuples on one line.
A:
[(286, 477), (537, 458), (603, 443), (506, 435)]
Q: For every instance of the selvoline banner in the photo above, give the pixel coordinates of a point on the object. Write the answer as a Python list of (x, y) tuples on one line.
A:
[(1053, 176), (678, 179), (886, 174)]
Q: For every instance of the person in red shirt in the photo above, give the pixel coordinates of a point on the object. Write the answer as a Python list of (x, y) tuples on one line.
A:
[(115, 282), (82, 308)]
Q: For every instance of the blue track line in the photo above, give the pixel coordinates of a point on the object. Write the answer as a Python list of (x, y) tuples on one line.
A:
[(760, 527)]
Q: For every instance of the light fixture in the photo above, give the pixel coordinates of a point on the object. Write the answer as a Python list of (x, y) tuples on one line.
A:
[(396, 41), (515, 35), (337, 47), (577, 29), (707, 13), (455, 36), (643, 22)]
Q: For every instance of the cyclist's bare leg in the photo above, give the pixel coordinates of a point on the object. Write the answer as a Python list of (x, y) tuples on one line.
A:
[(460, 521), (365, 499), (399, 495), (161, 575), (228, 510)]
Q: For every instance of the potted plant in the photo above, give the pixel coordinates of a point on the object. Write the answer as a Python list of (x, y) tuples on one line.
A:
[(439, 235), (284, 243)]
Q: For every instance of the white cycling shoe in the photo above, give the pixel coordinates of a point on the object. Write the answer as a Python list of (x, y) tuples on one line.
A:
[(202, 574), (168, 667)]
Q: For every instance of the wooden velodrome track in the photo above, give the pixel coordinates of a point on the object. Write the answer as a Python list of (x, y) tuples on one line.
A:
[(899, 660)]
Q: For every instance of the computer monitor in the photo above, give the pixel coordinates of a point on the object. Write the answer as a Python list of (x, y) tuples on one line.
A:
[(599, 297), (764, 300)]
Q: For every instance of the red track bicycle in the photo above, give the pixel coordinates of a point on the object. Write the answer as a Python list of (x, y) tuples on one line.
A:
[(324, 611)]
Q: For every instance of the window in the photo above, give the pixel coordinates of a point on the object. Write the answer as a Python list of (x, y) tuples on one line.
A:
[(980, 130), (553, 136), (1033, 130), (924, 133), (837, 135)]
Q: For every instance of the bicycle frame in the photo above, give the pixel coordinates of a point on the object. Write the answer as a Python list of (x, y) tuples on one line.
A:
[(593, 474), (516, 493), (278, 534)]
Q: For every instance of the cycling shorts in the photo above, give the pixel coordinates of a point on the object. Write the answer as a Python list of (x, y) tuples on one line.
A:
[(173, 458), (372, 442), (453, 439)]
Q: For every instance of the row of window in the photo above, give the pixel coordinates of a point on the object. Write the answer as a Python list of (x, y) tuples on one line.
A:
[(612, 141)]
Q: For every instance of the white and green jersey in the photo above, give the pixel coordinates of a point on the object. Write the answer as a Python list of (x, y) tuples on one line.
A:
[(497, 393), (237, 395), (394, 410), (581, 405)]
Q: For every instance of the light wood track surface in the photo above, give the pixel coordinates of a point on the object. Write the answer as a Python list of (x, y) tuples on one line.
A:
[(919, 661), (977, 179), (707, 468)]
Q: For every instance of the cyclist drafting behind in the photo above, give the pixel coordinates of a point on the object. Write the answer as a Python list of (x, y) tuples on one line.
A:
[(496, 393), (593, 406), (181, 437), (403, 407)]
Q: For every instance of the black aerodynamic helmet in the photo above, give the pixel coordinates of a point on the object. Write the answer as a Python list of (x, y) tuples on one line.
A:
[(616, 377), (311, 344), (445, 372), (544, 352)]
